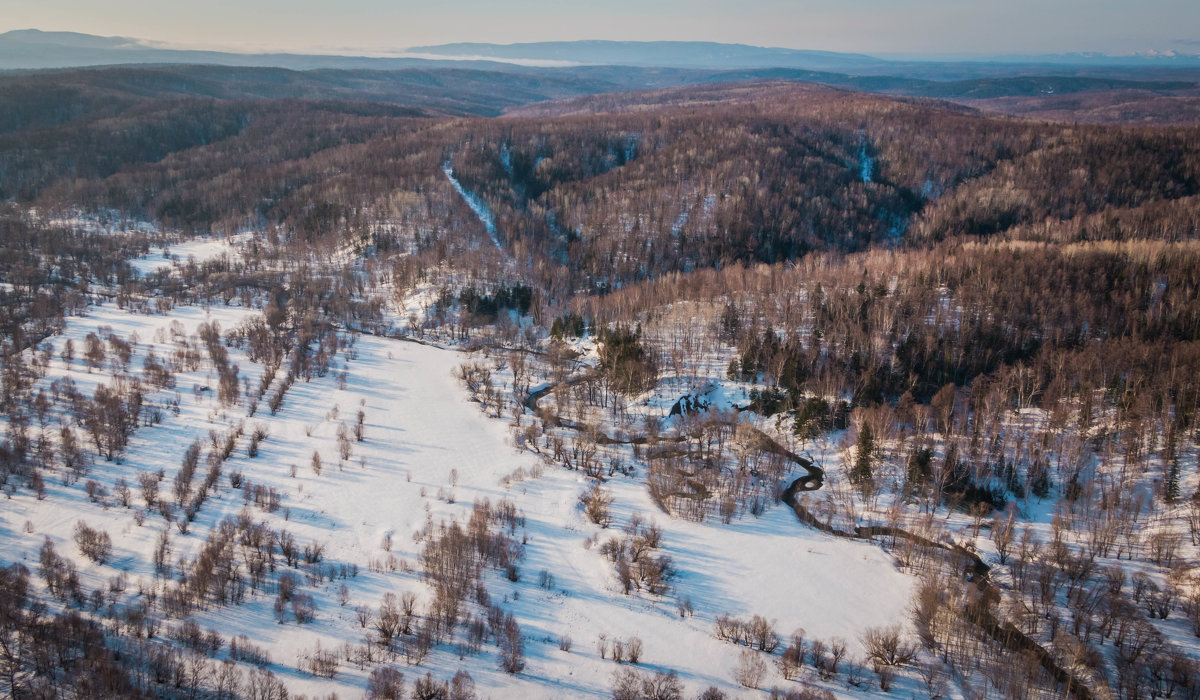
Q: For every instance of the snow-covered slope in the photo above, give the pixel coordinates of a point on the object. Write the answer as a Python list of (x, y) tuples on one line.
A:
[(427, 455)]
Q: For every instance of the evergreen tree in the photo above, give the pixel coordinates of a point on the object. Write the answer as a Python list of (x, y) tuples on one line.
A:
[(861, 474), (1171, 486)]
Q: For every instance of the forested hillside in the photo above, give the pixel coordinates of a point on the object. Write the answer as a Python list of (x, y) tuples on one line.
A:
[(749, 359)]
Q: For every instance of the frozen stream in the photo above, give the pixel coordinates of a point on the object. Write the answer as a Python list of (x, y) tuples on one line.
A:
[(477, 205)]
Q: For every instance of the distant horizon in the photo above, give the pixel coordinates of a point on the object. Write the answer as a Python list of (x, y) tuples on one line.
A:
[(412, 50), (907, 28)]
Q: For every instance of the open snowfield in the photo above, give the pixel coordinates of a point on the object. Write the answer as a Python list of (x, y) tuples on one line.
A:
[(429, 453), (199, 249)]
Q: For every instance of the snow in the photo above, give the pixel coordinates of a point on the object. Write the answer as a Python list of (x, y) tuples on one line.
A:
[(424, 437), (199, 249), (477, 205), (866, 165)]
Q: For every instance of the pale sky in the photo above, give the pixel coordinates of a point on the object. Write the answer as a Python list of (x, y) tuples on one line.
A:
[(867, 26)]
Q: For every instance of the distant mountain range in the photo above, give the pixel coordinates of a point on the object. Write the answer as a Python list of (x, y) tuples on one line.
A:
[(702, 54), (36, 49), (667, 54), (33, 49)]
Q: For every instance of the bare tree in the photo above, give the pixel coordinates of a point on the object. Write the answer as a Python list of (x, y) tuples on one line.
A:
[(385, 683), (750, 669), (886, 646)]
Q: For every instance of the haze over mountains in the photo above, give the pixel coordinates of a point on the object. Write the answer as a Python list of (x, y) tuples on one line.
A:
[(35, 49), (712, 55), (486, 79)]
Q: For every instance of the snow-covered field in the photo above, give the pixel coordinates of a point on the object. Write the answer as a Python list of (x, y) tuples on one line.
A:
[(198, 249), (428, 454)]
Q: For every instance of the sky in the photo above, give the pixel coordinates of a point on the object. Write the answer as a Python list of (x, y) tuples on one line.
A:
[(881, 27)]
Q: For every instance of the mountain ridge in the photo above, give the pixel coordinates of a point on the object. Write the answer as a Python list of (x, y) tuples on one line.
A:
[(33, 49)]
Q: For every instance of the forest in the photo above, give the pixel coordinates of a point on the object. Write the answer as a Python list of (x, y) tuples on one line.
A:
[(969, 339)]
